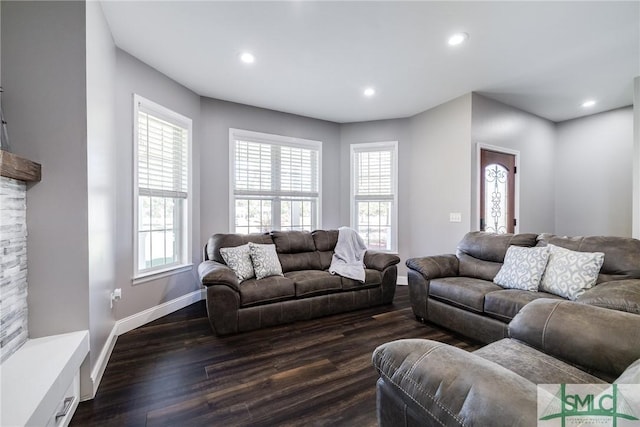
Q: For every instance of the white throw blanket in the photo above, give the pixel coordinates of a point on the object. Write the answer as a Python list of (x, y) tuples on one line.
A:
[(348, 255)]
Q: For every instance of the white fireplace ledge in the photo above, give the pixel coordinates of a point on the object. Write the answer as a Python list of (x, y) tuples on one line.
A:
[(36, 377)]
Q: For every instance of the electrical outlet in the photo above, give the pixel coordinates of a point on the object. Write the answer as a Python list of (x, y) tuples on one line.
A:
[(455, 217)]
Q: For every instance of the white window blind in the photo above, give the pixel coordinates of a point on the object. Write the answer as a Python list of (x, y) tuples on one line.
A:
[(162, 157), (275, 182), (374, 193), (162, 146)]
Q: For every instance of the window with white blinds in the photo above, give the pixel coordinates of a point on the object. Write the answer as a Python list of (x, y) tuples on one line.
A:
[(275, 182), (162, 169), (374, 191)]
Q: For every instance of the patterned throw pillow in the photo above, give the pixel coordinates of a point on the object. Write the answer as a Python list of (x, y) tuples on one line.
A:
[(570, 273), (265, 260), (239, 260), (522, 268)]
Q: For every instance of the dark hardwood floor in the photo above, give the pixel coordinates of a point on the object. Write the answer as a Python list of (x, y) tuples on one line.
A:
[(176, 372)]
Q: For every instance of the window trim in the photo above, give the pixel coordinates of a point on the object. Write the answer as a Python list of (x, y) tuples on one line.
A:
[(185, 263), (274, 139), (376, 146)]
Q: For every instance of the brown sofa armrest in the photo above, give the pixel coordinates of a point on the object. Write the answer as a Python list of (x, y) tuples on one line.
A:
[(380, 260), (446, 385), (598, 339), (621, 295), (215, 273), (432, 267)]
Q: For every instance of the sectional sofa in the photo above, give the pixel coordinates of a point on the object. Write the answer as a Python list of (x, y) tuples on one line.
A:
[(457, 290), (304, 290)]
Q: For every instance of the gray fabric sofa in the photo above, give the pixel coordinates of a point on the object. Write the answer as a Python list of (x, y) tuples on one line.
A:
[(457, 291), (307, 290), (551, 342)]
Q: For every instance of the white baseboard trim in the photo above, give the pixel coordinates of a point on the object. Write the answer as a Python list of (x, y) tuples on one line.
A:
[(149, 315), (134, 321), (402, 280), (101, 363)]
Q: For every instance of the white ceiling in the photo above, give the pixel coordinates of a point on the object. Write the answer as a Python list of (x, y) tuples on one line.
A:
[(314, 58)]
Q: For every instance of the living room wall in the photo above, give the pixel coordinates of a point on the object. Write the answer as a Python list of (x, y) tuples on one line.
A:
[(594, 171), (133, 76), (218, 116), (501, 125)]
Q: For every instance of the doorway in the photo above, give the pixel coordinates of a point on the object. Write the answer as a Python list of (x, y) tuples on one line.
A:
[(497, 181)]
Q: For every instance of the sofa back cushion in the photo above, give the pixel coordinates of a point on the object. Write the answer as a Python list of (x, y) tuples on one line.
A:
[(296, 250), (220, 240), (604, 341), (481, 254), (621, 254), (325, 241)]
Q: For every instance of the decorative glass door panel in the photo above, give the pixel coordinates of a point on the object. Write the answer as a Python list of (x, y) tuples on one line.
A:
[(497, 188)]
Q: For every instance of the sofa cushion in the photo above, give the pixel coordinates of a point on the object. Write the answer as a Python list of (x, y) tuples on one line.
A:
[(291, 242), (372, 278), (622, 295), (267, 290), (505, 304), (570, 273), (314, 282), (493, 247), (300, 261), (464, 292), (325, 241), (621, 254), (522, 268), (481, 254), (534, 365)]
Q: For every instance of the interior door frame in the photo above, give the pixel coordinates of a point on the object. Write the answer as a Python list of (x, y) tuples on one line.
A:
[(516, 153)]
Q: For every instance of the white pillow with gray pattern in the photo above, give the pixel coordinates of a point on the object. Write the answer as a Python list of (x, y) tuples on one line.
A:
[(238, 259), (570, 273), (265, 260), (522, 268)]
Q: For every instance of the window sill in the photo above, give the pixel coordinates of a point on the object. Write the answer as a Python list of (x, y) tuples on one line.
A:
[(159, 274)]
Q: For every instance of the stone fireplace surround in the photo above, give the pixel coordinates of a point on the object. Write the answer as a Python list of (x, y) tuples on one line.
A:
[(40, 378), (15, 172)]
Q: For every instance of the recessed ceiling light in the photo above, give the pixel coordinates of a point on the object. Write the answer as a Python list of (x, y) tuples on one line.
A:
[(247, 58), (369, 92), (588, 103), (458, 38)]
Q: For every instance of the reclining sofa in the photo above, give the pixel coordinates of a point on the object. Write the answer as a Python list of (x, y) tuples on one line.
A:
[(458, 292), (429, 383), (306, 289)]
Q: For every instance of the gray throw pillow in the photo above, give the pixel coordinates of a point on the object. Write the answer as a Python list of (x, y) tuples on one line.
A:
[(522, 268), (265, 260), (570, 273), (239, 260)]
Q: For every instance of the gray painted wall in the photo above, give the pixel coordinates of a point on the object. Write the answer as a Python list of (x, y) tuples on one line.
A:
[(133, 76), (501, 125), (438, 179), (101, 175), (594, 172), (218, 116), (43, 71)]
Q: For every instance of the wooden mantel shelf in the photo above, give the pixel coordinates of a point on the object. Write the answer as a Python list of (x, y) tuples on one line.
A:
[(16, 167)]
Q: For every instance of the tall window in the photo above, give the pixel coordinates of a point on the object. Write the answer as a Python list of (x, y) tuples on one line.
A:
[(162, 188), (374, 188), (275, 182)]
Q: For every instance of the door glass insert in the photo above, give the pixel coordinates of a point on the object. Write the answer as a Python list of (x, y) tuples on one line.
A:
[(496, 198)]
